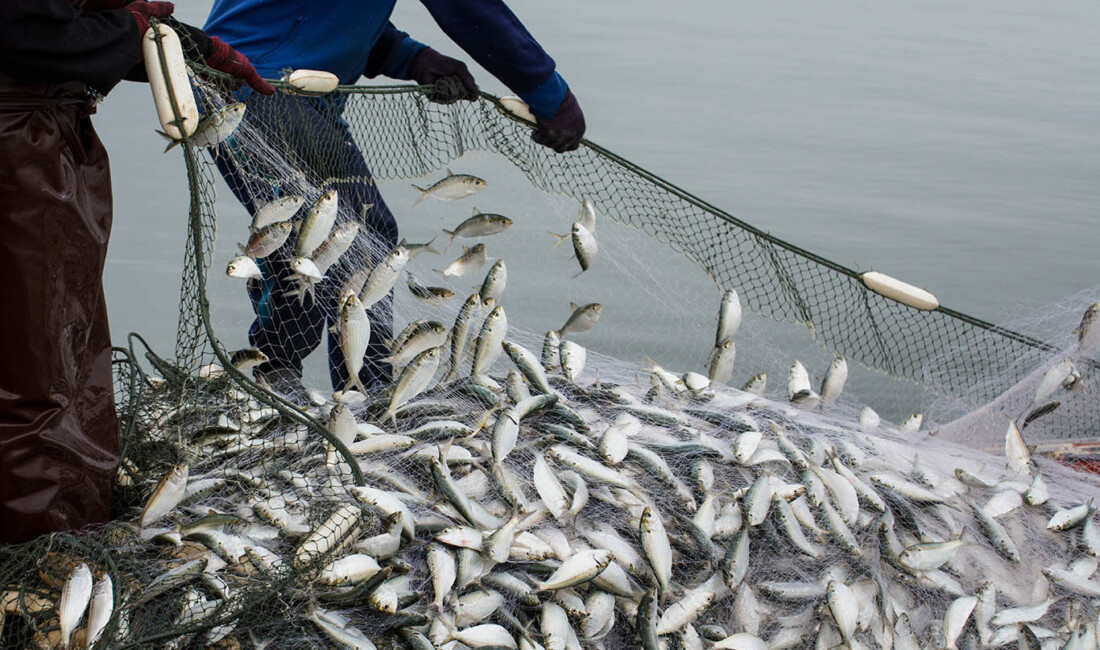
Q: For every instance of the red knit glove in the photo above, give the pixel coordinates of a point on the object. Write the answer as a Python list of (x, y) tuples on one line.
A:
[(143, 11), (226, 59)]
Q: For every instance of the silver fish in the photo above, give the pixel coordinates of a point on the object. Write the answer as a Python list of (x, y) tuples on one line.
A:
[(833, 383), (243, 267), (338, 243), (488, 348), (587, 216), (213, 128), (1019, 458), (720, 365), (472, 259), (384, 276), (657, 549), (414, 379), (581, 320), (492, 288), (479, 225), (572, 358), (354, 335), (449, 188), (74, 600), (266, 241), (460, 332), (585, 247), (168, 493), (275, 211), (317, 224), (100, 609), (757, 384), (416, 338), (1088, 334), (1070, 517), (430, 295), (729, 316), (529, 365)]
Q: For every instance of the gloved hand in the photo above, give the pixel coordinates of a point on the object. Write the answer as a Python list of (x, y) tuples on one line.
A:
[(563, 131), (143, 11), (226, 59), (451, 78), (217, 54)]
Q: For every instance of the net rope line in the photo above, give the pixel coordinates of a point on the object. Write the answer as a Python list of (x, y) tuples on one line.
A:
[(962, 345)]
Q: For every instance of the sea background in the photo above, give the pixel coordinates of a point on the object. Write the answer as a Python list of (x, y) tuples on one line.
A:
[(954, 146)]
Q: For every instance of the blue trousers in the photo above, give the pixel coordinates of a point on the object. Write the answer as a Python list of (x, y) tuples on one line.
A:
[(310, 135)]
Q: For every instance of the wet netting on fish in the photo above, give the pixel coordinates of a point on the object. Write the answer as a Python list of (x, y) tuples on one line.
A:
[(537, 482)]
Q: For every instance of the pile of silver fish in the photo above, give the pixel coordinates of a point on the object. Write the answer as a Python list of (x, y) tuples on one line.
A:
[(512, 500)]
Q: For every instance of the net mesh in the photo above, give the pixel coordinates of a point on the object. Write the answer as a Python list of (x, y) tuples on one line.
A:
[(593, 503)]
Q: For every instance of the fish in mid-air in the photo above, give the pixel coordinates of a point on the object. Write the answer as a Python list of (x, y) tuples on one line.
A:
[(452, 187)]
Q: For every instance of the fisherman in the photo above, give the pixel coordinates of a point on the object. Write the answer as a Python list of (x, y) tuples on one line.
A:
[(353, 38), (58, 429)]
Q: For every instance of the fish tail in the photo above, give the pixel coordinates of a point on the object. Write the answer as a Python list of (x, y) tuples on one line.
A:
[(561, 238), (428, 247), (172, 142), (450, 239), (423, 195)]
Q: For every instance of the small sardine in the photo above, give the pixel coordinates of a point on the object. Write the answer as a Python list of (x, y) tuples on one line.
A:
[(492, 288), (383, 277), (582, 319), (275, 211), (729, 316), (450, 188), (75, 596), (168, 493), (472, 259), (317, 224), (266, 241), (243, 267), (479, 225)]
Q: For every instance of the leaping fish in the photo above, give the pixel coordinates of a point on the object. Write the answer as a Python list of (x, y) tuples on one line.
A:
[(452, 187)]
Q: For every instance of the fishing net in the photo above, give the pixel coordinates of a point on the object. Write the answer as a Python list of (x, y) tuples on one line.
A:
[(599, 504)]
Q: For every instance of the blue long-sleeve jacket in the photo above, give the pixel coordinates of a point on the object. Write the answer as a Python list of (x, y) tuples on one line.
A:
[(350, 38)]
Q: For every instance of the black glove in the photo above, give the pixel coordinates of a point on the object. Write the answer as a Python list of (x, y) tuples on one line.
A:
[(563, 131), (451, 77)]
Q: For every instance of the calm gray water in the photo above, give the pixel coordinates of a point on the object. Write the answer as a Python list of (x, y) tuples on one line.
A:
[(955, 146)]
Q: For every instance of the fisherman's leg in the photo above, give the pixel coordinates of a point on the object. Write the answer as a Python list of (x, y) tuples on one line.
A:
[(58, 428)]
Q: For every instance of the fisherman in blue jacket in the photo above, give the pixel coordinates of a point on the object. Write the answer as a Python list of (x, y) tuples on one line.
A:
[(353, 38)]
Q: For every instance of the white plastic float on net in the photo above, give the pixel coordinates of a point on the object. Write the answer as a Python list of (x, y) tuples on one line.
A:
[(902, 292), (172, 76), (518, 107), (313, 81)]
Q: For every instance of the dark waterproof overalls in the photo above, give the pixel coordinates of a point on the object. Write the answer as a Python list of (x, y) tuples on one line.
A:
[(58, 429)]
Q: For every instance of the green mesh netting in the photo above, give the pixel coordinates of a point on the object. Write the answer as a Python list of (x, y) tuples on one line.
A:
[(274, 500)]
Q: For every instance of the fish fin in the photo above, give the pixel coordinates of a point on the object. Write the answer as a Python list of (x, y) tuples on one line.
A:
[(574, 306), (449, 172), (243, 250), (423, 195), (476, 211), (578, 273)]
